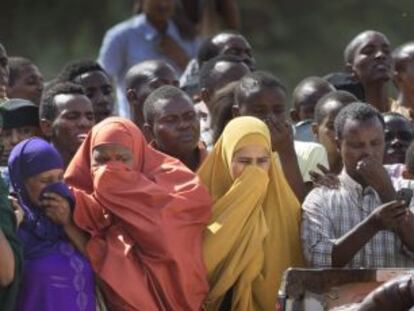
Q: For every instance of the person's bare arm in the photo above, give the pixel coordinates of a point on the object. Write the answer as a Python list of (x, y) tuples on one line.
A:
[(290, 167), (7, 264), (282, 143), (385, 217)]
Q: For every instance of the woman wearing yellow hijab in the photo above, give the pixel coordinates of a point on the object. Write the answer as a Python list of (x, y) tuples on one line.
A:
[(253, 235)]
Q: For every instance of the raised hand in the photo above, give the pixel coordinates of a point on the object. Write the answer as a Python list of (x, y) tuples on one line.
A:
[(57, 209)]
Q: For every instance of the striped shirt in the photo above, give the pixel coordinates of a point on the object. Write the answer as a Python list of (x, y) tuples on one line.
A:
[(330, 213)]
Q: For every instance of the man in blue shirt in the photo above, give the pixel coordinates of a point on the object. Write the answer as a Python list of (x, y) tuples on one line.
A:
[(149, 35)]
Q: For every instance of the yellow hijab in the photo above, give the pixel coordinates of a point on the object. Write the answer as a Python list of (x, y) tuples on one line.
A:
[(253, 235)]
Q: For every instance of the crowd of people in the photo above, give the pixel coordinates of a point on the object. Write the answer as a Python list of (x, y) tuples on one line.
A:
[(193, 187)]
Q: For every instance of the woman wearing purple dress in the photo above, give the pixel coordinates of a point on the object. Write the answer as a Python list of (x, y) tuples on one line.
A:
[(56, 275)]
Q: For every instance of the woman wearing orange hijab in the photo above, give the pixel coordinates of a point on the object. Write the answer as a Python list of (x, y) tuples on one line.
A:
[(145, 213)]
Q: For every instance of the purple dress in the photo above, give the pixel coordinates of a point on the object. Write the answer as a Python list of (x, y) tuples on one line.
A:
[(55, 275)]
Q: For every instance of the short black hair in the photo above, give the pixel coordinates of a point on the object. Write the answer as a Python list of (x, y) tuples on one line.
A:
[(344, 81), (47, 108), (342, 97), (207, 74), (76, 68), (409, 158), (403, 55), (396, 115), (207, 51), (139, 73), (163, 92), (316, 83), (16, 65), (356, 111), (255, 81)]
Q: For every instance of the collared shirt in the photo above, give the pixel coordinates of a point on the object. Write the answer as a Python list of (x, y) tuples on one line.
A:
[(131, 42), (328, 214)]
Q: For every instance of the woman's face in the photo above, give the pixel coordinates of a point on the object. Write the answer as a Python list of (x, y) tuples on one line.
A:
[(111, 152), (35, 184), (250, 155)]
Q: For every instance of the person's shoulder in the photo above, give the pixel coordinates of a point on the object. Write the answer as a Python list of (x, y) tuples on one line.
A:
[(309, 149), (126, 25), (322, 198)]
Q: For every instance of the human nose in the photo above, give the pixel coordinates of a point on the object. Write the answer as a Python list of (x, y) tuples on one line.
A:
[(85, 122), (380, 54)]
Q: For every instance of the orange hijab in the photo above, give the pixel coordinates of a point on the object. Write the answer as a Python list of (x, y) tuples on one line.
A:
[(145, 223)]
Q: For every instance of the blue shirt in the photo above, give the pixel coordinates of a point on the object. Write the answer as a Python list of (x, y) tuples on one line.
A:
[(131, 42)]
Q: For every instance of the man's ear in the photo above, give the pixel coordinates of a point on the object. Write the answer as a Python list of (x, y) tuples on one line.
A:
[(338, 144), (131, 95), (294, 116), (235, 111), (315, 130), (46, 128), (349, 69), (147, 131), (396, 77)]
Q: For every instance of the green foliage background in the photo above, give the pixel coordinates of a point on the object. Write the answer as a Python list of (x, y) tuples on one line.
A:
[(291, 38)]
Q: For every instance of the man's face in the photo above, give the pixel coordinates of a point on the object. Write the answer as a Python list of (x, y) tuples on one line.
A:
[(158, 10), (325, 132), (238, 46), (29, 85), (74, 120), (265, 104), (308, 99), (372, 60), (224, 73), (176, 127), (99, 90), (361, 140), (161, 76), (405, 77), (11, 137), (4, 68), (398, 136)]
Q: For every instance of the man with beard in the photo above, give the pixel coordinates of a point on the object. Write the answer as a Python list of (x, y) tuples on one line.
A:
[(368, 59), (66, 116), (361, 223)]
